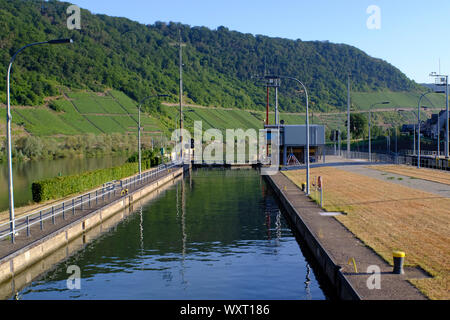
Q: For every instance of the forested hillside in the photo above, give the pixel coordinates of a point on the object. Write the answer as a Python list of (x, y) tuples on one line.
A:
[(110, 52)]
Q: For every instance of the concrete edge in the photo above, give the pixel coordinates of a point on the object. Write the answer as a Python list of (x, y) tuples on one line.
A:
[(20, 260), (332, 271)]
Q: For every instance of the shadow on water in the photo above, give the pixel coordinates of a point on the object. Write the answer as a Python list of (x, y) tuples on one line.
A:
[(216, 234)]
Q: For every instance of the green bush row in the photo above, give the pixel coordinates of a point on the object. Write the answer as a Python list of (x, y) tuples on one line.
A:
[(59, 187)]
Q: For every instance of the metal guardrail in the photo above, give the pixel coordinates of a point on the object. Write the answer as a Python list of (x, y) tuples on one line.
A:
[(69, 206)]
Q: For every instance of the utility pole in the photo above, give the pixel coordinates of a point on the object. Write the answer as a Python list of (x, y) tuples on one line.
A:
[(181, 91), (180, 61)]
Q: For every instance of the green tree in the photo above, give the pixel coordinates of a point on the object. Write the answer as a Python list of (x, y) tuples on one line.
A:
[(358, 125)]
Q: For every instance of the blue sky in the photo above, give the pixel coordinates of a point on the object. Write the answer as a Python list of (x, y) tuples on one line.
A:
[(414, 34)]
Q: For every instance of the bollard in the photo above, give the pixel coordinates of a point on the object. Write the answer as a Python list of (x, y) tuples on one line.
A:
[(28, 226), (399, 258), (321, 197), (303, 186)]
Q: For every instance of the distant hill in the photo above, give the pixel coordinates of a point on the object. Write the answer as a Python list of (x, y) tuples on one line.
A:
[(432, 86), (218, 68)]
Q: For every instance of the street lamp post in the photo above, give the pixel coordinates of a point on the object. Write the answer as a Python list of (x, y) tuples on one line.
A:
[(139, 128), (8, 130), (370, 125), (443, 80), (307, 132)]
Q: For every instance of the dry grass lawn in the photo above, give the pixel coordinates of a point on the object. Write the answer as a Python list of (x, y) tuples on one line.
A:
[(387, 217), (423, 173)]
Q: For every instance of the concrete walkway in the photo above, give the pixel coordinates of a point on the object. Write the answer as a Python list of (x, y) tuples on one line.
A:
[(341, 245)]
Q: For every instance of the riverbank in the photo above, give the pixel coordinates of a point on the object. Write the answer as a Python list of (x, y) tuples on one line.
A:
[(334, 246), (387, 213)]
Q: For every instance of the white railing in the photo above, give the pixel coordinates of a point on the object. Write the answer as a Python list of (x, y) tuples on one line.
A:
[(108, 190)]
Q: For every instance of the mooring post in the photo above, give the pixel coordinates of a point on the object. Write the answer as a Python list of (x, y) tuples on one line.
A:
[(399, 257), (320, 185)]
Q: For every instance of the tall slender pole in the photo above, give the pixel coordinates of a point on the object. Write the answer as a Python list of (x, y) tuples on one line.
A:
[(180, 53), (8, 130), (334, 140), (339, 142), (307, 142), (10, 176), (438, 137), (446, 117), (276, 105), (414, 135), (370, 125), (348, 116), (140, 128), (418, 128), (307, 134), (396, 148), (267, 107), (139, 141), (370, 142)]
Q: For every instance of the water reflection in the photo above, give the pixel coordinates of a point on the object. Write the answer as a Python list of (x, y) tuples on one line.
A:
[(217, 234), (307, 282)]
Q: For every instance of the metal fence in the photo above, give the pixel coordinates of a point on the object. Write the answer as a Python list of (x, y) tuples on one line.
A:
[(431, 162), (108, 190)]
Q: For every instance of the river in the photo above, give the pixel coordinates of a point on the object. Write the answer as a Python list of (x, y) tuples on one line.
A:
[(216, 234)]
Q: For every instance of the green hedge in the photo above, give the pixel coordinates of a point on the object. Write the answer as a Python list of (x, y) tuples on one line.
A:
[(59, 187)]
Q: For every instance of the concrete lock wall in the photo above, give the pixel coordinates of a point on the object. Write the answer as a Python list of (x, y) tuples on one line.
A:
[(343, 288), (17, 262)]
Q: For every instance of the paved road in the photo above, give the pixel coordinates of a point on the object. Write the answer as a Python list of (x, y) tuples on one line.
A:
[(419, 184)]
